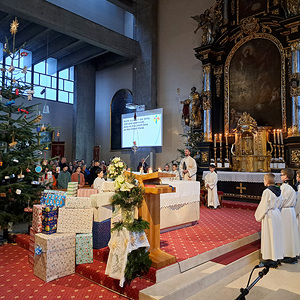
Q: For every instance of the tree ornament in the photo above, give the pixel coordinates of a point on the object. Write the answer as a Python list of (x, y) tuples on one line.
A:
[(10, 102), (38, 118), (18, 191), (17, 92), (24, 70), (24, 53), (28, 170), (14, 26), (38, 169), (11, 69)]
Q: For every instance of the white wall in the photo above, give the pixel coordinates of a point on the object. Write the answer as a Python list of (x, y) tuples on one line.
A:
[(61, 116), (177, 66), (108, 82)]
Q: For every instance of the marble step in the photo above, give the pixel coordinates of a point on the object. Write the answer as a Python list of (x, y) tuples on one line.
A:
[(188, 283)]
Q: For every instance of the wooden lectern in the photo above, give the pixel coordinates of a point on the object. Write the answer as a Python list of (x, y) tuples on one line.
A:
[(150, 212)]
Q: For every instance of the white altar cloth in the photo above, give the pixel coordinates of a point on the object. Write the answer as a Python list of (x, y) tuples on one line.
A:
[(186, 192), (256, 177), (181, 207)]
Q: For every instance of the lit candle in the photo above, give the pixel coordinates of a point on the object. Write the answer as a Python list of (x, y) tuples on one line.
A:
[(278, 137), (281, 137), (159, 170), (141, 170), (220, 136), (226, 138), (215, 140), (274, 135), (150, 170)]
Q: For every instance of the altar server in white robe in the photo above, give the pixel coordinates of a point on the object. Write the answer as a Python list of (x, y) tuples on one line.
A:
[(211, 180), (291, 240), (269, 215), (188, 167), (175, 172)]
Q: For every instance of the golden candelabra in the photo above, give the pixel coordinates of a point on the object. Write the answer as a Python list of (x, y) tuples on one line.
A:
[(279, 151), (275, 150), (227, 153), (282, 152), (215, 155), (221, 150)]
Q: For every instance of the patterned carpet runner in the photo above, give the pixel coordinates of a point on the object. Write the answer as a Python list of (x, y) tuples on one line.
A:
[(216, 227)]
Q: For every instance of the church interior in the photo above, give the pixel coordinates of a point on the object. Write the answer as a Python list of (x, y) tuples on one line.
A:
[(210, 88)]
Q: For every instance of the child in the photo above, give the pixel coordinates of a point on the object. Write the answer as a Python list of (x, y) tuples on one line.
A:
[(98, 182), (175, 171), (211, 180), (269, 215), (291, 241)]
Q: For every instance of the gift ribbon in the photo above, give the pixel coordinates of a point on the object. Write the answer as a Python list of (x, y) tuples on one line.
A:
[(38, 250)]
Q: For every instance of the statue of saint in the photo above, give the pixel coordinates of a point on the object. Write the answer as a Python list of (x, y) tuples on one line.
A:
[(195, 99)]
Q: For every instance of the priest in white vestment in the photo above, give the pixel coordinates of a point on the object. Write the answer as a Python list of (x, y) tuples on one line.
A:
[(269, 215), (188, 167), (291, 240), (211, 180)]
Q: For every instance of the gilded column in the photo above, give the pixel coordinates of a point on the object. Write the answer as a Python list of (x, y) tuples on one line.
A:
[(295, 88), (207, 121)]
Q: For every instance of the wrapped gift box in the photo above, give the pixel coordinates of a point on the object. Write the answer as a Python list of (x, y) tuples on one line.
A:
[(55, 200), (57, 255), (101, 199), (32, 234), (31, 260), (76, 220), (49, 222), (78, 202), (72, 189), (108, 186), (102, 213), (84, 248), (101, 234), (86, 192), (37, 217)]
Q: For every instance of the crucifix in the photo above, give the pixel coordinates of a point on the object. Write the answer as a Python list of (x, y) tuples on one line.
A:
[(241, 188)]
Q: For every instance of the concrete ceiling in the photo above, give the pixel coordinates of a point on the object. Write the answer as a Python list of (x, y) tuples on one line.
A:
[(49, 30)]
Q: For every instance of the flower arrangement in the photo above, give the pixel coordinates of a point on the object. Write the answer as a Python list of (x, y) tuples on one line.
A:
[(128, 192), (116, 168)]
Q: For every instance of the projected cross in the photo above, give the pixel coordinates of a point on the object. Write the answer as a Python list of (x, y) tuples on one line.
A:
[(156, 119)]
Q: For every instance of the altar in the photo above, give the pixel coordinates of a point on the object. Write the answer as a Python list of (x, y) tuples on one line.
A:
[(182, 207), (242, 185)]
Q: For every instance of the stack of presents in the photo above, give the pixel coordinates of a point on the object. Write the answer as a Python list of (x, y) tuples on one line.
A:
[(65, 229)]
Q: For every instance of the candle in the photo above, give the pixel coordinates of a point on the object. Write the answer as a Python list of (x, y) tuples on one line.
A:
[(220, 136), (226, 138), (159, 170), (150, 170), (278, 137), (141, 170), (281, 137), (274, 135), (215, 140)]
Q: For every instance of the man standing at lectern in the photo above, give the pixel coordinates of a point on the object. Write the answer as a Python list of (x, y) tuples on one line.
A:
[(188, 167)]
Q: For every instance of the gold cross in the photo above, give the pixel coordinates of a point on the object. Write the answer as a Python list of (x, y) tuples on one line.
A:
[(241, 188)]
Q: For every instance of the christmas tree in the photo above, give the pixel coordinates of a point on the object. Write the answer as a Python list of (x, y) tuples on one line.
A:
[(20, 138)]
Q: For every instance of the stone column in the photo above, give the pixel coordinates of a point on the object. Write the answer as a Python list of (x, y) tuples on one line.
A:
[(295, 87), (207, 121)]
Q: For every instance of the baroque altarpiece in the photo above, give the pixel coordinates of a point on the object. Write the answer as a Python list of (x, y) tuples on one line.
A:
[(250, 52)]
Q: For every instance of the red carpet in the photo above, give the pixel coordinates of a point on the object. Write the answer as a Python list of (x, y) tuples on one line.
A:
[(215, 228), (17, 281)]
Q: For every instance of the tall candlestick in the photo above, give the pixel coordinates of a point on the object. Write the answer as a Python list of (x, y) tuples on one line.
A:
[(220, 136), (215, 140), (274, 135), (281, 137), (278, 137), (226, 138)]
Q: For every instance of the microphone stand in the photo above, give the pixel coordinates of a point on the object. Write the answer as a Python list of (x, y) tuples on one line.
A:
[(245, 291)]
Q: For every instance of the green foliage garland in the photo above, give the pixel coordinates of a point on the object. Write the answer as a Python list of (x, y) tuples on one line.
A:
[(138, 263), (138, 225)]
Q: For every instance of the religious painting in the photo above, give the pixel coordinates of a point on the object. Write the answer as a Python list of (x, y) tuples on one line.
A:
[(117, 108), (46, 138), (247, 8), (255, 83)]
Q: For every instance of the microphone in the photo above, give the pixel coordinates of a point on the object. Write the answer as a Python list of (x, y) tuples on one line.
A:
[(268, 264)]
